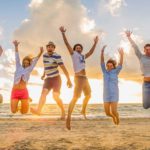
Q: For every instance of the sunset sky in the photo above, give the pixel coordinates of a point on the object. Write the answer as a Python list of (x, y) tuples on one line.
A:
[(36, 22)]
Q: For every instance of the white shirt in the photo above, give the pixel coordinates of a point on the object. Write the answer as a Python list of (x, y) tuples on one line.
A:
[(21, 72), (78, 61)]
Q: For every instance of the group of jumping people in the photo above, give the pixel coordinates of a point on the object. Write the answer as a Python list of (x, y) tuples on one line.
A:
[(52, 79)]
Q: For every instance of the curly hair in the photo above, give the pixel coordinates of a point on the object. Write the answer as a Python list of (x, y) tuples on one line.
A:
[(74, 47)]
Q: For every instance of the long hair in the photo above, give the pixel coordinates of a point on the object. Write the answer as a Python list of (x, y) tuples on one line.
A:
[(28, 58)]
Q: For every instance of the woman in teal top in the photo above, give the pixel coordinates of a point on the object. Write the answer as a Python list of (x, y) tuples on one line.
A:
[(111, 90)]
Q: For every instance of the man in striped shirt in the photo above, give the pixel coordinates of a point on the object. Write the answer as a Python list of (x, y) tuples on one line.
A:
[(52, 61)]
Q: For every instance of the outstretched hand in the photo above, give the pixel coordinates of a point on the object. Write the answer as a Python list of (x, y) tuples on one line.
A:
[(62, 29), (42, 77), (128, 33), (41, 50), (96, 39), (121, 51), (16, 43), (69, 84), (103, 49)]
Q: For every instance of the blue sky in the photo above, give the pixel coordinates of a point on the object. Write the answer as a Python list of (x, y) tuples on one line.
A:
[(134, 14), (12, 12), (45, 19), (131, 14)]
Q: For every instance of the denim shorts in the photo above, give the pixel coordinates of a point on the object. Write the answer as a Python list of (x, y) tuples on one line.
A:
[(146, 95)]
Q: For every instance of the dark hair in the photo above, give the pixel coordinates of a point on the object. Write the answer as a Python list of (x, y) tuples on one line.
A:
[(77, 45), (146, 45), (112, 62)]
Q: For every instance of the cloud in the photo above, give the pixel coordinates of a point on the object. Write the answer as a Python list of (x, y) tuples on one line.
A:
[(7, 62), (114, 6), (43, 25), (130, 58), (1, 32), (35, 3)]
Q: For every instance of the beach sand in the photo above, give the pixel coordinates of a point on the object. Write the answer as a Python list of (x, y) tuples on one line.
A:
[(96, 134), (47, 132)]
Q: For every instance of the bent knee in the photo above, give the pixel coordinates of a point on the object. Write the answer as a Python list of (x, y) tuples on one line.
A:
[(45, 92), (114, 112), (108, 113), (56, 96), (24, 111), (13, 111), (88, 96)]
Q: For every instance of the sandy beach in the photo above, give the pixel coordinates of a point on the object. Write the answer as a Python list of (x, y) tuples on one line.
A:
[(47, 132), (97, 134)]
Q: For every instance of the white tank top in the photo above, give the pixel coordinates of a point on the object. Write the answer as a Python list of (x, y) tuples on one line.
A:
[(78, 61)]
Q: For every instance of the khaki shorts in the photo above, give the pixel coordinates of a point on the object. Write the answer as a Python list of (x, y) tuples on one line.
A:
[(81, 84)]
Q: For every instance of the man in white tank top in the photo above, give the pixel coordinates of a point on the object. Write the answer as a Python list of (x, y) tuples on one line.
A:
[(81, 81)]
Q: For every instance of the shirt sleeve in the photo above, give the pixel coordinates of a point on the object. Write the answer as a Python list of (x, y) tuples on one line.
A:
[(118, 69), (17, 58), (34, 62), (136, 49), (103, 67), (59, 60)]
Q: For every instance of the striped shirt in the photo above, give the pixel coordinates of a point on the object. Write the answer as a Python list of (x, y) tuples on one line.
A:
[(51, 63)]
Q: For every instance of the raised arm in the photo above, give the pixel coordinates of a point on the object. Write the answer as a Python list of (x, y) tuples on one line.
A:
[(93, 47), (1, 50), (17, 58), (35, 59), (69, 84), (16, 44), (102, 59), (63, 30), (134, 45), (40, 53), (102, 54), (121, 52)]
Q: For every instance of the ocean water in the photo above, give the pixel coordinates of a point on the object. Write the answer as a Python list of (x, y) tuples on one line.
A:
[(93, 111)]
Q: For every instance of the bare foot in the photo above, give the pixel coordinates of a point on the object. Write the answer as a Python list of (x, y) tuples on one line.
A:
[(34, 111), (117, 120), (68, 123), (84, 114), (114, 120)]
